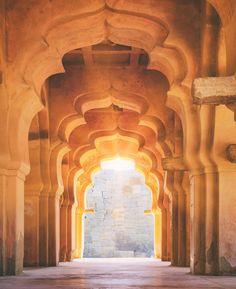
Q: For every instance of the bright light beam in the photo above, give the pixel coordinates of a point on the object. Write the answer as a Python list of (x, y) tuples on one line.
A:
[(118, 164)]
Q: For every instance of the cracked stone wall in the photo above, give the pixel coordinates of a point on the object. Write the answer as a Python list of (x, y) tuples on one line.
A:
[(119, 227)]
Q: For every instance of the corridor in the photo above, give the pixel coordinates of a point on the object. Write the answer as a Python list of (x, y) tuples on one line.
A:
[(113, 273), (89, 82)]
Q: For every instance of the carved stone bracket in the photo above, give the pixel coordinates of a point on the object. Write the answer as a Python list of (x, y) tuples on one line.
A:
[(214, 90), (230, 152), (232, 106)]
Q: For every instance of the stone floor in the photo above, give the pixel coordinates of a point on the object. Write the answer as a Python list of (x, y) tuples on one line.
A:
[(113, 273)]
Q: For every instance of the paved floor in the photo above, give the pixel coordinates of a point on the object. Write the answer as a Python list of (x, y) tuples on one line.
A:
[(113, 273)]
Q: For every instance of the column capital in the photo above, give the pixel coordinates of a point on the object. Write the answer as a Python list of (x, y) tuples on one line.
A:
[(8, 172)]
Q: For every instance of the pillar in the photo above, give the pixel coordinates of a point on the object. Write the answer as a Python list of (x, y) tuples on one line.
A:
[(169, 239), (227, 224), (157, 234), (43, 228), (70, 232), (64, 217), (33, 186), (79, 234), (212, 223), (204, 224), (54, 230), (181, 221), (186, 187), (72, 205), (63, 231), (31, 232), (164, 240), (179, 229), (45, 150), (174, 228), (197, 223), (224, 149), (11, 221), (58, 151)]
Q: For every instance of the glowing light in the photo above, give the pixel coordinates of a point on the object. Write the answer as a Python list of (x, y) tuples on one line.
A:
[(118, 164)]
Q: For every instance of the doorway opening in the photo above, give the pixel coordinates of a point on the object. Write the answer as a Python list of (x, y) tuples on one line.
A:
[(118, 226)]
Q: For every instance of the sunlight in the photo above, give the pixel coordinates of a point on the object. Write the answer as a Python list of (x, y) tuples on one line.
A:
[(118, 164)]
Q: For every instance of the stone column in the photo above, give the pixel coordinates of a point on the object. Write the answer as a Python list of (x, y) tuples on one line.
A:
[(157, 234), (186, 187), (72, 205), (197, 223), (181, 211), (79, 234), (12, 177), (31, 233), (174, 183), (174, 228), (225, 151), (43, 119), (33, 186), (169, 239), (63, 231), (164, 232), (227, 224), (43, 229), (58, 151), (11, 221), (218, 180), (70, 232), (212, 223), (54, 230)]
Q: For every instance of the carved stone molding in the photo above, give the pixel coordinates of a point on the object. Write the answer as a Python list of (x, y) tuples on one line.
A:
[(230, 152)]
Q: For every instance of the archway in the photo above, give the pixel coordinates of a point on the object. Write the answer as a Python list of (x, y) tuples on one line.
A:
[(169, 59), (118, 226), (104, 122)]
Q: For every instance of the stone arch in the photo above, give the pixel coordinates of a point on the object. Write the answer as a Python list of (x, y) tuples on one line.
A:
[(86, 180), (47, 54)]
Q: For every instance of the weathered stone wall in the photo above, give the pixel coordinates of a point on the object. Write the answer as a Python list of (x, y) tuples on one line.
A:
[(119, 227)]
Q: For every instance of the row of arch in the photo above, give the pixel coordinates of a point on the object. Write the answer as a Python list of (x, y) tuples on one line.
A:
[(99, 132), (168, 54)]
